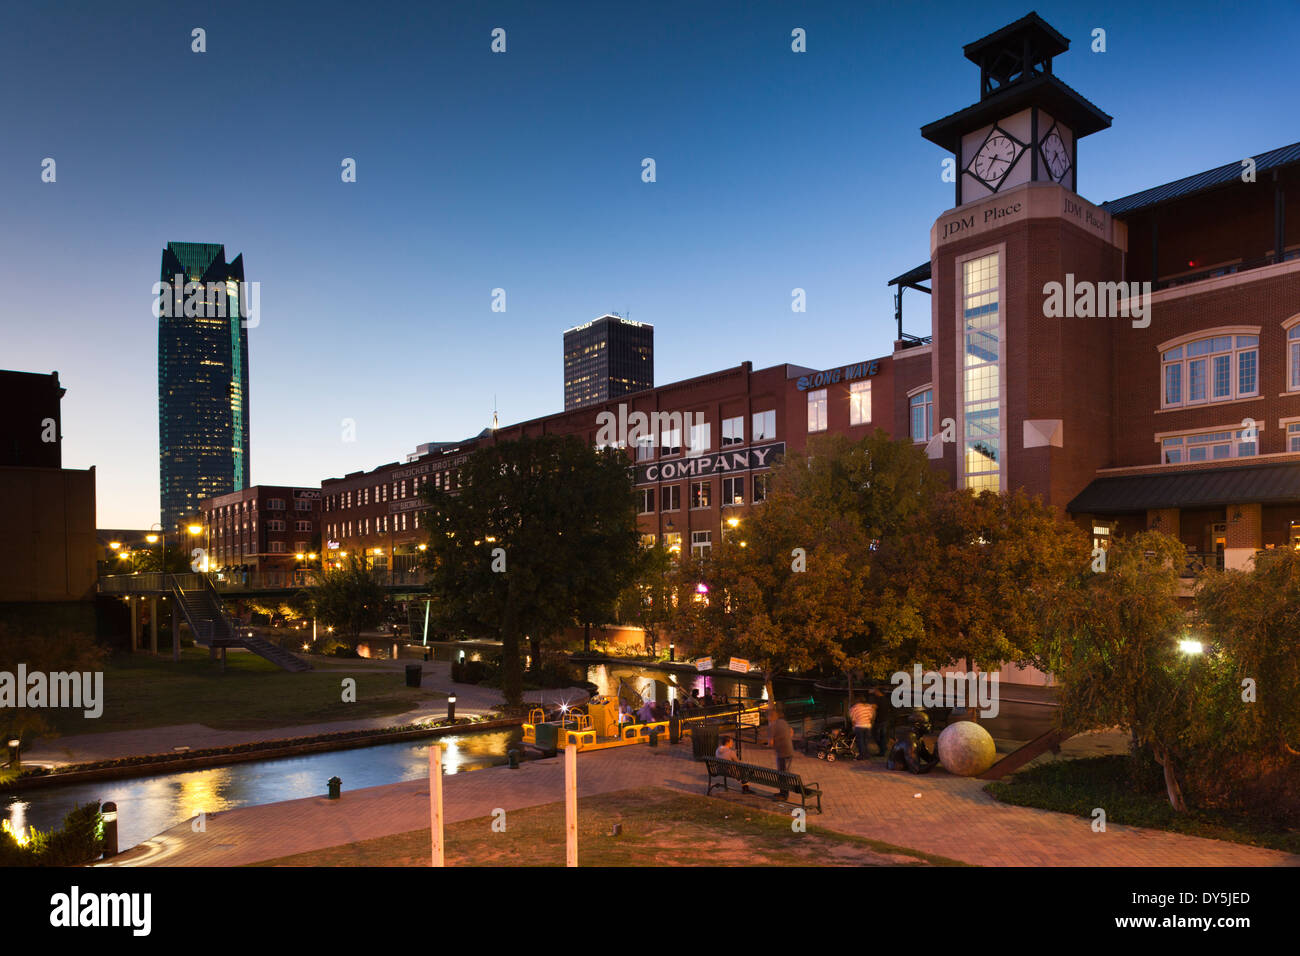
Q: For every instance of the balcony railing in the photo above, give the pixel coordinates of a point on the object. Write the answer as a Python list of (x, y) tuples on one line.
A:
[(1244, 266), (1198, 561)]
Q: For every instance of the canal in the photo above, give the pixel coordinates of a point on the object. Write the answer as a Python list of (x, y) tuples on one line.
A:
[(149, 805)]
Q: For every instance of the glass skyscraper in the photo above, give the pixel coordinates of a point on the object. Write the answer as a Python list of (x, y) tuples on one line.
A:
[(606, 358), (202, 378)]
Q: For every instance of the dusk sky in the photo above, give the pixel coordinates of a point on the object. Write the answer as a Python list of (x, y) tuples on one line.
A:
[(522, 171)]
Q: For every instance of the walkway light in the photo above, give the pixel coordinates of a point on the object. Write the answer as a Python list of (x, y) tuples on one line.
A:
[(195, 529), (733, 522), (1191, 647), (108, 814), (151, 538)]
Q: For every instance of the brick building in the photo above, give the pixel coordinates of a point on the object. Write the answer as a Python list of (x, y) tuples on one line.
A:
[(271, 531)]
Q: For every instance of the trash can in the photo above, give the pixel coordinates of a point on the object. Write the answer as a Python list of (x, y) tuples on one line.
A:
[(413, 674), (546, 738), (704, 740)]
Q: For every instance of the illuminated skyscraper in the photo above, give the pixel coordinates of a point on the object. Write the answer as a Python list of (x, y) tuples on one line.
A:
[(606, 358), (202, 379)]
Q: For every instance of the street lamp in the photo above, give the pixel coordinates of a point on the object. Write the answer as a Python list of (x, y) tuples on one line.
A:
[(161, 539), (1191, 647)]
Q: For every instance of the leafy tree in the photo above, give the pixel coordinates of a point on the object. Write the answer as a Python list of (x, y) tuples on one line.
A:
[(793, 587), (518, 547), (349, 599), (646, 601), (1246, 731), (1112, 643), (972, 579)]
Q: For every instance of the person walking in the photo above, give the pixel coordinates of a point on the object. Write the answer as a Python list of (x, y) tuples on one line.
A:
[(863, 716), (780, 737)]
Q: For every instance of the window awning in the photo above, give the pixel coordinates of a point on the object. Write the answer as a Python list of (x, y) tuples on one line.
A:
[(1203, 488)]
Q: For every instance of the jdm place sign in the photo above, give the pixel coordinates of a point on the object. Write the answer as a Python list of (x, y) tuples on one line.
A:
[(717, 463), (739, 664)]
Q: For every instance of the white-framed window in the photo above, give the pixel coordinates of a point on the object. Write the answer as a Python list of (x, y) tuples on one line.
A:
[(670, 498), (700, 437), (701, 494), (274, 504), (733, 490), (1293, 436), (274, 524), (701, 544), (817, 410), (647, 501), (670, 441), (1217, 368), (764, 426), (1208, 446), (1293, 358), (733, 431), (762, 486), (300, 546), (920, 409), (645, 447), (860, 402), (302, 504), (673, 542), (302, 525), (647, 541), (981, 458), (277, 547)]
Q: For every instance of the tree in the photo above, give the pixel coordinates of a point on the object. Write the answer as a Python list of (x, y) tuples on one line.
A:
[(971, 580), (793, 587), (1245, 733), (349, 599), (646, 601), (518, 547), (1112, 643)]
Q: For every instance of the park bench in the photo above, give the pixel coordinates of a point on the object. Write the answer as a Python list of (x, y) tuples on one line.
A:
[(744, 773)]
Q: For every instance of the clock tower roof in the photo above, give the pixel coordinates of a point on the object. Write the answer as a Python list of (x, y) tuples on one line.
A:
[(1016, 73)]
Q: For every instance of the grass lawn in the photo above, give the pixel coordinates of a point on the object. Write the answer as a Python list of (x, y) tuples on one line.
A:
[(253, 694), (661, 827), (1079, 786)]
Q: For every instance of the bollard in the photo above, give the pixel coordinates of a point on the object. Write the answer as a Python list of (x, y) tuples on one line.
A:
[(451, 709), (108, 814), (512, 756), (15, 753), (336, 786), (654, 737)]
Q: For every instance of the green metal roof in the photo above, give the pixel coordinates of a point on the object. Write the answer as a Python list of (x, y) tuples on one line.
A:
[(197, 257), (1193, 488)]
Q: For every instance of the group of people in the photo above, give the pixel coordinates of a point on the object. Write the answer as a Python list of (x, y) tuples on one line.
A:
[(651, 710)]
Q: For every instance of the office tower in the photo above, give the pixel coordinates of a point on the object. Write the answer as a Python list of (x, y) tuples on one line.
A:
[(606, 358), (202, 378)]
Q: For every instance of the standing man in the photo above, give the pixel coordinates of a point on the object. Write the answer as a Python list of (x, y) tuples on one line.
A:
[(780, 737), (863, 716)]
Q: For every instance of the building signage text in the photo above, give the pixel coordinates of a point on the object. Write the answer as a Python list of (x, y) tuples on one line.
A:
[(834, 376), (723, 463)]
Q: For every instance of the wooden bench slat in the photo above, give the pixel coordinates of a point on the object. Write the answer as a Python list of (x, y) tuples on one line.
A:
[(763, 776)]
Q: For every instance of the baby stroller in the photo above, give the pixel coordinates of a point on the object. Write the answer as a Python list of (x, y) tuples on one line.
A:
[(835, 744)]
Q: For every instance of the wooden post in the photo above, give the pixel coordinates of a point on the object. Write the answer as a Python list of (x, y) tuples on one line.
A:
[(435, 803), (571, 804)]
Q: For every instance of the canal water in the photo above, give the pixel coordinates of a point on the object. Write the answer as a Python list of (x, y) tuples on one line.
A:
[(146, 806)]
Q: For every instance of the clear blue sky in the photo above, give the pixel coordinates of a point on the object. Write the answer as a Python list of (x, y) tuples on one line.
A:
[(522, 171)]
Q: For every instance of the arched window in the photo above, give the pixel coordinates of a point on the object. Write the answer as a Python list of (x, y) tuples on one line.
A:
[(1201, 369)]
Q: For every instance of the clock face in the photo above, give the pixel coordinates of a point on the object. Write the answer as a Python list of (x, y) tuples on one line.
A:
[(995, 158), (1055, 155)]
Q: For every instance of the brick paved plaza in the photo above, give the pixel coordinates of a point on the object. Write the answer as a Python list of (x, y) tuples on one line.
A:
[(934, 813)]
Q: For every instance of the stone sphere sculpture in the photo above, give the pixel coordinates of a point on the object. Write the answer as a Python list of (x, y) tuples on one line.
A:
[(966, 749)]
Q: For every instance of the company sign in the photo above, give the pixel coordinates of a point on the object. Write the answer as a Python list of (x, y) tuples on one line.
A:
[(718, 463), (834, 376)]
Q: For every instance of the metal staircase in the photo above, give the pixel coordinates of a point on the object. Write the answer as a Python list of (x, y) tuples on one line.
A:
[(201, 605)]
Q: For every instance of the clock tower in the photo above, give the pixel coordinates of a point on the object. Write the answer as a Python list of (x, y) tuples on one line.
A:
[(1024, 391), (1027, 124)]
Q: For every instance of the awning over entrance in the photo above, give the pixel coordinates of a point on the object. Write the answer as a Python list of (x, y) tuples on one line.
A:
[(1206, 488)]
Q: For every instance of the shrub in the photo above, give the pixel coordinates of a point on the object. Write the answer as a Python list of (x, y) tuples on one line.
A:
[(80, 841)]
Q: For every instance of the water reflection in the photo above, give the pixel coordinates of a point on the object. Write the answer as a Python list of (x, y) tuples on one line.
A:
[(149, 805)]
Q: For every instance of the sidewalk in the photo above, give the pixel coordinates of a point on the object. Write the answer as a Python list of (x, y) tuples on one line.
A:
[(936, 813)]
